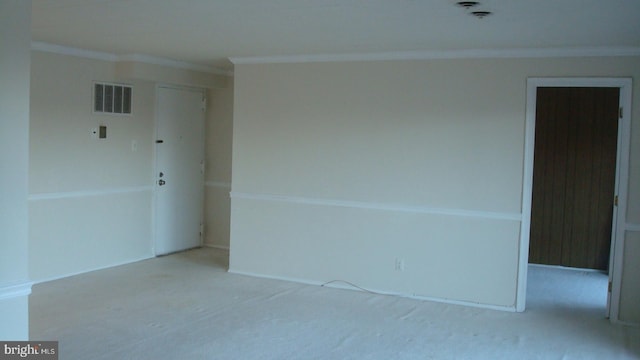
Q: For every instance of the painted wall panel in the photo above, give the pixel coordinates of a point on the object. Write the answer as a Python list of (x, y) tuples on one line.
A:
[(379, 132), (15, 41), (75, 235), (217, 215), (90, 198), (633, 205), (629, 308), (15, 318), (14, 115), (443, 134), (63, 155), (219, 127), (325, 243)]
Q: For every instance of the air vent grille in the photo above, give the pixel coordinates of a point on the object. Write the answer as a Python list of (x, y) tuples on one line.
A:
[(109, 98)]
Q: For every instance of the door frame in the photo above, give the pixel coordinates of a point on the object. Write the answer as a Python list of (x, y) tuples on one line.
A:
[(621, 182), (154, 203)]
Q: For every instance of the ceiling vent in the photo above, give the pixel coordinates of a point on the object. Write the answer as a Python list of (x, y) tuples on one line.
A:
[(109, 98), (480, 14), (468, 5)]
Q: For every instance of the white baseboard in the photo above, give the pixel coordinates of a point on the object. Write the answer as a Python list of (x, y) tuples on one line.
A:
[(379, 292), (14, 290), (39, 281), (219, 247), (559, 267), (218, 184), (625, 323)]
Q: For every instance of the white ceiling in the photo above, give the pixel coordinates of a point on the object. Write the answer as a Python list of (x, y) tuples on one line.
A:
[(208, 32)]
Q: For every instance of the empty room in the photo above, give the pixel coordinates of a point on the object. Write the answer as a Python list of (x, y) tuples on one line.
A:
[(340, 179)]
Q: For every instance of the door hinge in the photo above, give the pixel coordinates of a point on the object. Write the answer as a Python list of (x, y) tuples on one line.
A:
[(620, 112), (610, 286), (615, 201)]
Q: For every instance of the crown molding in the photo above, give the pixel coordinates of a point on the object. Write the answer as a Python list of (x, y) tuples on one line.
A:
[(444, 54), (105, 56), (382, 56), (65, 50), (148, 59)]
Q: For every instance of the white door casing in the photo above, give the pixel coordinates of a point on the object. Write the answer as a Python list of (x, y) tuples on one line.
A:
[(179, 170), (621, 182)]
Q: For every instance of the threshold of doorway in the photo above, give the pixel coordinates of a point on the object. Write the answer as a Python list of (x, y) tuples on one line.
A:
[(568, 268)]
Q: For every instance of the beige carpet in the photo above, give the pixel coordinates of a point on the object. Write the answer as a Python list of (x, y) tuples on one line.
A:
[(186, 306)]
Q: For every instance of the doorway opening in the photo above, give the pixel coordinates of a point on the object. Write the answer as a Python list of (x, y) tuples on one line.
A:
[(575, 176), (554, 289)]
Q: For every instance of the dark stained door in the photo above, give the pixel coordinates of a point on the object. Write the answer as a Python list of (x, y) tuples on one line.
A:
[(574, 176)]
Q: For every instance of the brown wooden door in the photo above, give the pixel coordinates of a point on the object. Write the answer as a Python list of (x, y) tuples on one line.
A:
[(574, 176)]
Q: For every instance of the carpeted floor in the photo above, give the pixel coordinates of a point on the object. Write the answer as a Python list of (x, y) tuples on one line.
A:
[(186, 306)]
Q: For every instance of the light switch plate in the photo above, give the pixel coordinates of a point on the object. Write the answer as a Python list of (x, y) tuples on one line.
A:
[(102, 132)]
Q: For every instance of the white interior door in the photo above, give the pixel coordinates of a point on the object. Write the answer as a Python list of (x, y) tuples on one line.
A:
[(179, 169)]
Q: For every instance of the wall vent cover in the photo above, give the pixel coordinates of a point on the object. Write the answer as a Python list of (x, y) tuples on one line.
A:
[(109, 98)]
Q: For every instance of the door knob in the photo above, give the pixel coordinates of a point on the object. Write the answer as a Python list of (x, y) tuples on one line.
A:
[(161, 182)]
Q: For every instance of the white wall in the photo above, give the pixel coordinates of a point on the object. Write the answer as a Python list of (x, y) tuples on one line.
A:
[(15, 42), (90, 202), (219, 129), (90, 199), (339, 169), (629, 308)]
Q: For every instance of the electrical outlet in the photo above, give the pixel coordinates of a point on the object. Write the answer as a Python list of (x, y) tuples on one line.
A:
[(399, 264)]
